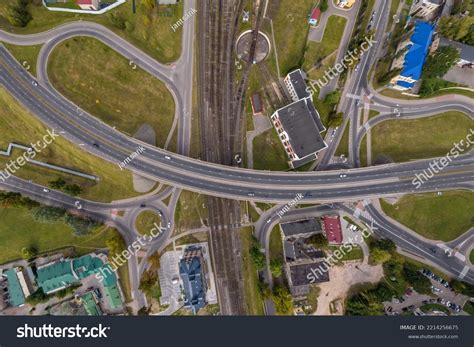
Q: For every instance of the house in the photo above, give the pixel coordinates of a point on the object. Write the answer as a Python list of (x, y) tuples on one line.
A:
[(427, 9), (332, 229), (297, 250), (193, 277), (314, 18), (89, 4), (414, 52), (89, 301), (257, 106)]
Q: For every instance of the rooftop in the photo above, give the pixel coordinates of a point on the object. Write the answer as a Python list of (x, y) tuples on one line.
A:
[(300, 121), (191, 273), (306, 226), (305, 274), (332, 228), (297, 80), (15, 293), (90, 305), (418, 50)]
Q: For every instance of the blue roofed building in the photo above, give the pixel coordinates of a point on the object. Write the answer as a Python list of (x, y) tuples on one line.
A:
[(414, 53), (193, 277)]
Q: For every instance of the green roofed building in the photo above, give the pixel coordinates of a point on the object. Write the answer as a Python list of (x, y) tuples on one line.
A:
[(90, 305), (15, 293), (65, 273), (113, 297), (54, 277)]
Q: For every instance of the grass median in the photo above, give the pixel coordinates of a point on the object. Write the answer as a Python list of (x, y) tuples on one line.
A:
[(437, 217), (148, 28), (102, 82), (400, 140), (20, 127)]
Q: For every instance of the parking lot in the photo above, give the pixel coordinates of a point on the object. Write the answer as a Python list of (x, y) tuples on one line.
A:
[(442, 295)]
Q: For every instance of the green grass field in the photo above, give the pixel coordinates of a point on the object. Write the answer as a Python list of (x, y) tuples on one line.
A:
[(291, 30), (471, 257), (18, 229), (146, 221), (436, 217), (268, 152), (21, 127), (26, 55), (253, 298), (316, 51), (276, 245), (110, 89), (190, 210), (150, 30), (401, 140)]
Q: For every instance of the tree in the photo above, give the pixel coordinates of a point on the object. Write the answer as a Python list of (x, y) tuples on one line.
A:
[(462, 287), (457, 28), (48, 214), (335, 119), (282, 300), (438, 64), (318, 240), (416, 279), (381, 250), (16, 200), (28, 252), (276, 268), (72, 189), (80, 226), (431, 85), (58, 183), (264, 289), (257, 256), (333, 97), (18, 14), (115, 244), (387, 77), (324, 5)]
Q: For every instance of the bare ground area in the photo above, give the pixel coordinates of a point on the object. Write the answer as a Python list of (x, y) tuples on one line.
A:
[(342, 278)]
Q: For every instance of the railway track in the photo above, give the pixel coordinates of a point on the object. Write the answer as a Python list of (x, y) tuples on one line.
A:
[(217, 26)]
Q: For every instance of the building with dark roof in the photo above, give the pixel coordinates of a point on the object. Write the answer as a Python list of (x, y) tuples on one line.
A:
[(297, 250), (257, 105), (332, 229), (299, 129), (296, 85), (415, 53), (193, 277), (301, 228), (302, 276)]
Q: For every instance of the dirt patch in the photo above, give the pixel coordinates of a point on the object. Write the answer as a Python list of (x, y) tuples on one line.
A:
[(334, 292)]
